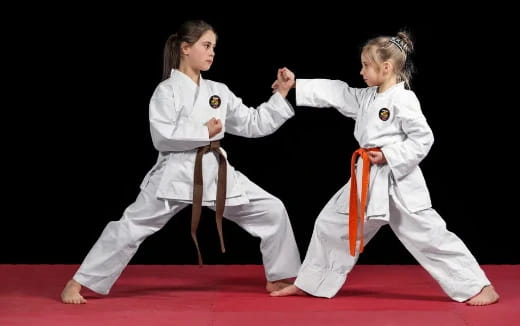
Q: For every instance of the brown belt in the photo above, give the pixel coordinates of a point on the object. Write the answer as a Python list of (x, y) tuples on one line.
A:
[(213, 146), (353, 209)]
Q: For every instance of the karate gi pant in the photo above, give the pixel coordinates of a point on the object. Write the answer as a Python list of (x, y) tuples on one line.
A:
[(424, 234), (264, 216)]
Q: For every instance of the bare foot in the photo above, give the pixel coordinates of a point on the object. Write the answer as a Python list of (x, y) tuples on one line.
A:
[(488, 295), (277, 285), (288, 290), (70, 293)]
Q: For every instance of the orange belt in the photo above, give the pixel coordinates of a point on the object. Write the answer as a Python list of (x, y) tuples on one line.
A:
[(213, 146), (353, 209)]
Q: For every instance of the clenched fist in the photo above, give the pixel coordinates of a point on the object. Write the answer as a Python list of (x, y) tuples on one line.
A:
[(214, 127)]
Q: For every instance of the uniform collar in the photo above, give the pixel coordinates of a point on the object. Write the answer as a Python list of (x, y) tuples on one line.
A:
[(181, 77), (398, 86)]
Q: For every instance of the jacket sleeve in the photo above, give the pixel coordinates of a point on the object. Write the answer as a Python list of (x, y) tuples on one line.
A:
[(322, 93), (252, 122), (403, 157), (169, 132)]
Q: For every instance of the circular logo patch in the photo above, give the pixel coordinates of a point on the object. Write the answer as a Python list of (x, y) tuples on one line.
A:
[(384, 114), (214, 101)]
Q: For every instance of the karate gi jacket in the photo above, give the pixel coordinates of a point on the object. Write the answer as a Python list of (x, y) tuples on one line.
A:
[(178, 110), (392, 121)]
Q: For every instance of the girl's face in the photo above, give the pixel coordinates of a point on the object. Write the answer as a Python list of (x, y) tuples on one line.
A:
[(371, 71), (199, 56)]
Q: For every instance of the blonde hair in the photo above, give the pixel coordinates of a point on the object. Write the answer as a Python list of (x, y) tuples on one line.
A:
[(396, 49)]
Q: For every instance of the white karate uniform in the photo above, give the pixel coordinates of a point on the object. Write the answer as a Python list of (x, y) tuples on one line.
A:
[(179, 108), (397, 194)]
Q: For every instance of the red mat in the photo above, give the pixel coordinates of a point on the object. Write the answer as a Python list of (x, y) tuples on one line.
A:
[(234, 295)]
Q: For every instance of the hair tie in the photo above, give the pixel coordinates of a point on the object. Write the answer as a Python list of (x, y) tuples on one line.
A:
[(398, 42)]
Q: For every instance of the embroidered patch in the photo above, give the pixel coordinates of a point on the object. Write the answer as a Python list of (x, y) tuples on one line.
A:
[(384, 114), (214, 101)]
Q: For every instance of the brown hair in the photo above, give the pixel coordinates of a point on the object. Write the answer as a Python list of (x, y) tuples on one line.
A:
[(189, 32)]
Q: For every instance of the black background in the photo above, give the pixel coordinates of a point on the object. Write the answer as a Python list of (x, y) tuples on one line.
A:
[(77, 143)]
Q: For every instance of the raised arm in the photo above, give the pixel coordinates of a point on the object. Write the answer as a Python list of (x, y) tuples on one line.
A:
[(252, 122), (264, 120), (322, 93)]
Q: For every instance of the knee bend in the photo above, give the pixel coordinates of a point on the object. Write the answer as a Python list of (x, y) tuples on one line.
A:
[(276, 210), (278, 206), (321, 230), (136, 230)]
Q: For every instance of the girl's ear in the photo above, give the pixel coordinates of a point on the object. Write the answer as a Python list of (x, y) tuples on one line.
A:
[(185, 48), (387, 67)]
